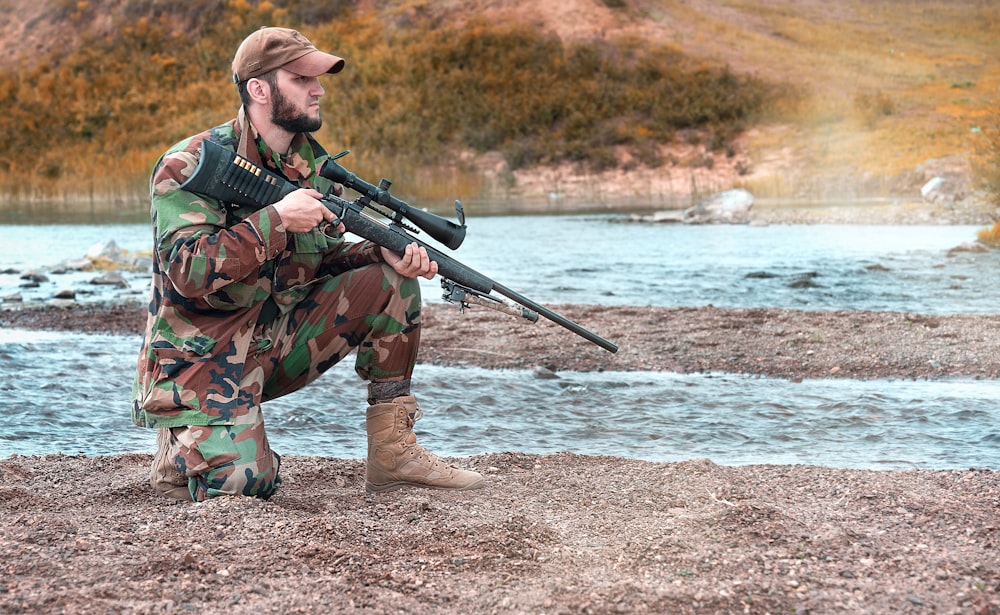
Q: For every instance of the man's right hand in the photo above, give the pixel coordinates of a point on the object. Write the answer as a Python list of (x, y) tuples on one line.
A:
[(302, 211)]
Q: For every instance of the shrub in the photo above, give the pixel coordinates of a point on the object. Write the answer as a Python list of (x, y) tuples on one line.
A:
[(986, 154), (412, 94)]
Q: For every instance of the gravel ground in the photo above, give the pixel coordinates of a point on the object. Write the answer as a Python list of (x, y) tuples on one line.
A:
[(548, 534)]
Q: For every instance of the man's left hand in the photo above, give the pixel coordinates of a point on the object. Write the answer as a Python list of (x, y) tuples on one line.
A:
[(413, 263)]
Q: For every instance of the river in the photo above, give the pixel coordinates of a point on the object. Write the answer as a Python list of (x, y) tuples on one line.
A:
[(68, 393)]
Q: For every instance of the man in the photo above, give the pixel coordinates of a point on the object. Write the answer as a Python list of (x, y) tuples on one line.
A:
[(248, 305)]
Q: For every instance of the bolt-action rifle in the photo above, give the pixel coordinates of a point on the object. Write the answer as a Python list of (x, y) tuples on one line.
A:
[(223, 175)]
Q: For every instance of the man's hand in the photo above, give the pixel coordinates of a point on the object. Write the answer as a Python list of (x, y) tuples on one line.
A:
[(413, 263), (302, 211)]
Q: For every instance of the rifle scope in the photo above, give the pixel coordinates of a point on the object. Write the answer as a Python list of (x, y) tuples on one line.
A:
[(441, 229)]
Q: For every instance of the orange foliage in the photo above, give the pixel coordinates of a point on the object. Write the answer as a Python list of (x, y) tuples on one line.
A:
[(411, 94)]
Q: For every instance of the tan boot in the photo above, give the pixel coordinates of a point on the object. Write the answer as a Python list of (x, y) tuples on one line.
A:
[(163, 476), (396, 461)]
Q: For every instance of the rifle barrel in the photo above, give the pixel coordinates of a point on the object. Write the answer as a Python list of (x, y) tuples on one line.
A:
[(556, 318)]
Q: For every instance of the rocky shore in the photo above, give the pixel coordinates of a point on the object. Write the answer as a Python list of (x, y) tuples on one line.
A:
[(548, 534), (780, 343)]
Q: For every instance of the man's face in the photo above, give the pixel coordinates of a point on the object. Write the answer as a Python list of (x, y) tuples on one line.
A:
[(295, 102)]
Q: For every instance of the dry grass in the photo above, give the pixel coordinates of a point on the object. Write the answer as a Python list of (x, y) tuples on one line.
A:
[(883, 87), (933, 61)]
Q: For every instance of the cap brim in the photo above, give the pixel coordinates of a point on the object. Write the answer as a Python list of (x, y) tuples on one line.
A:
[(315, 63)]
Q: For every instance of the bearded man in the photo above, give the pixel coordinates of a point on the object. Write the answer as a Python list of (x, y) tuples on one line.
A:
[(249, 304)]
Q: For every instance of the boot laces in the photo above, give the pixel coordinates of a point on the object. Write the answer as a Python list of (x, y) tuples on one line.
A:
[(415, 449), (416, 416)]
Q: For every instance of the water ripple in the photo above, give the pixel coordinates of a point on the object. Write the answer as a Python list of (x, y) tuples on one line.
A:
[(655, 416), (909, 268)]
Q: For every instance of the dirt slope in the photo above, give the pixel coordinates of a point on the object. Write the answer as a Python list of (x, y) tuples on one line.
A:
[(893, 92)]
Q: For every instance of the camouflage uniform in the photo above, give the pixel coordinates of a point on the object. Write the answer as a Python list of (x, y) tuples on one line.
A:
[(242, 312)]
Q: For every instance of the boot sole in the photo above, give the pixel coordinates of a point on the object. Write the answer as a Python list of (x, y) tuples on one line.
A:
[(396, 486)]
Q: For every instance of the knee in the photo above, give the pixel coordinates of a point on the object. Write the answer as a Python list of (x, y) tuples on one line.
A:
[(405, 287), (257, 478)]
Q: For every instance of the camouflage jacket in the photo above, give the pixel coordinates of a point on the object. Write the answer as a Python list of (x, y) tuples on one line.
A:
[(215, 266)]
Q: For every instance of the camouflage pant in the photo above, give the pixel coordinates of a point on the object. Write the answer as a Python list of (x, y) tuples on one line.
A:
[(372, 309)]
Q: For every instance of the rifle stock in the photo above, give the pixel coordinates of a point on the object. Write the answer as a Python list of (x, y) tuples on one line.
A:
[(223, 175)]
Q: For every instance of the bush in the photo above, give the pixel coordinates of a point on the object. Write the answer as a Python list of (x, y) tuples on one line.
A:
[(413, 94), (986, 156)]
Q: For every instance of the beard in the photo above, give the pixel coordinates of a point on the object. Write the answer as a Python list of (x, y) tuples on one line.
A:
[(285, 116)]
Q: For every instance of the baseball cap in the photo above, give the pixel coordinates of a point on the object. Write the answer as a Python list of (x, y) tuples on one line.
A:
[(269, 48)]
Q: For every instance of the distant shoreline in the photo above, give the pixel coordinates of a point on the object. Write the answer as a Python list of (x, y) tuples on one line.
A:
[(861, 211), (899, 209)]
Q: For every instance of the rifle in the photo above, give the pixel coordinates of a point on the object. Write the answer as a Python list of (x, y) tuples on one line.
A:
[(225, 176)]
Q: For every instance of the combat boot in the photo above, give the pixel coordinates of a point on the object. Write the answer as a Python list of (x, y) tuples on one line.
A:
[(396, 461), (163, 476)]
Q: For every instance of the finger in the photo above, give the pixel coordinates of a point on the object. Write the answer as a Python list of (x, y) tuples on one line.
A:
[(411, 257), (432, 271), (423, 261)]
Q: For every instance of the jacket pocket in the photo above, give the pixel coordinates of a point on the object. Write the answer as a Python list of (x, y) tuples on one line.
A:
[(183, 370)]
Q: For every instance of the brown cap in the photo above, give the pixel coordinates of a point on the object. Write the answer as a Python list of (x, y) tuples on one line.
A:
[(271, 48)]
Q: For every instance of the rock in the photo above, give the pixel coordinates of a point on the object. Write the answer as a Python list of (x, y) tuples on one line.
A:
[(941, 191), (729, 207), (805, 280), (79, 264), (34, 277), (667, 216), (111, 278), (65, 294), (106, 249), (142, 263), (968, 246), (545, 373)]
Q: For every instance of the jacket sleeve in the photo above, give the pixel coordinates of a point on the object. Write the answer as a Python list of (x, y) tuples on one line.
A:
[(194, 248), (351, 255)]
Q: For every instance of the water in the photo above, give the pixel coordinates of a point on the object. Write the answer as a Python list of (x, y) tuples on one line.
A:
[(69, 393), (598, 259), (72, 396)]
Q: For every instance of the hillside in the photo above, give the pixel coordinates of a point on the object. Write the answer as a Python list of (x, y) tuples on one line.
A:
[(895, 91), (890, 93)]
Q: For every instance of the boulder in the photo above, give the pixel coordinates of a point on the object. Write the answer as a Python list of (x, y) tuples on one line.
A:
[(106, 249), (729, 207), (110, 278), (968, 246), (940, 191)]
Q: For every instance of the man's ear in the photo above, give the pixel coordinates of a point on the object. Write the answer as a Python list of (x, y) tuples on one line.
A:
[(259, 90)]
